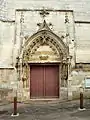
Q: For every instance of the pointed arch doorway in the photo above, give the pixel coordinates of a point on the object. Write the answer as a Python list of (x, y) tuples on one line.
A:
[(44, 81), (45, 59)]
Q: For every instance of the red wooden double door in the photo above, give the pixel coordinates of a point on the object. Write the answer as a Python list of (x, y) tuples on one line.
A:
[(44, 81)]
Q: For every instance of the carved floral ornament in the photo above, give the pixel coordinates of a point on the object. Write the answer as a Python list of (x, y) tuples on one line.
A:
[(44, 13), (44, 37)]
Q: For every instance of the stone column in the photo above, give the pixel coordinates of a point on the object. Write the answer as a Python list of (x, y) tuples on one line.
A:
[(60, 75), (70, 88), (69, 79)]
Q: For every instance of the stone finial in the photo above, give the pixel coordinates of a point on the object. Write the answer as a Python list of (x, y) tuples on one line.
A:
[(43, 26), (43, 13)]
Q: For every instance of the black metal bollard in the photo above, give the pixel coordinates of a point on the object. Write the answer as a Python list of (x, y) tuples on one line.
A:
[(15, 106), (81, 100)]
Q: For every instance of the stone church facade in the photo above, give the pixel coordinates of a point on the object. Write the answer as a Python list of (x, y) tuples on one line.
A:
[(44, 54)]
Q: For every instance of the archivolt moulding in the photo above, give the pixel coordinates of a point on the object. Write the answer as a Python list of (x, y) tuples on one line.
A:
[(42, 37)]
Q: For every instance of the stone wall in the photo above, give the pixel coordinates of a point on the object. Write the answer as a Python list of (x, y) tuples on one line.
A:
[(6, 79), (13, 35), (77, 84), (80, 12), (6, 43), (82, 42), (81, 8), (28, 21)]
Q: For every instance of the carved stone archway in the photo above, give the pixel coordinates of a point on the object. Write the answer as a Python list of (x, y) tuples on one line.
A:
[(44, 47)]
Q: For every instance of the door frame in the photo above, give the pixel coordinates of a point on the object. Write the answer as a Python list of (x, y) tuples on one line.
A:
[(59, 72)]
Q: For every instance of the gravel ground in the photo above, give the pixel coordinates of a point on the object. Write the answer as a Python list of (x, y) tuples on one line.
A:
[(48, 111)]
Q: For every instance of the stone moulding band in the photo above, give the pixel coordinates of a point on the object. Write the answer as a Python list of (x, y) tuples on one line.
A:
[(34, 62)]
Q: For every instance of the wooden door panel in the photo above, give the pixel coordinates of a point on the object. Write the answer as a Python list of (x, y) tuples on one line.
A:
[(51, 81), (36, 81), (44, 81)]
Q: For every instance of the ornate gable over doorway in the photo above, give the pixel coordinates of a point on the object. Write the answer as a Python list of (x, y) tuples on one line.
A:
[(44, 46)]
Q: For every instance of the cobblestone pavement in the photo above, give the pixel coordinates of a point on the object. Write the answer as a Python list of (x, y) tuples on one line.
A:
[(46, 111)]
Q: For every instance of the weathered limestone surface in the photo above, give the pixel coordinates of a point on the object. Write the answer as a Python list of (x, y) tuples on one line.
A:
[(6, 79), (6, 44), (81, 8), (82, 42), (27, 20)]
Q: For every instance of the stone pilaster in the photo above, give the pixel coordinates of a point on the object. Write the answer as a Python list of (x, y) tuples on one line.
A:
[(69, 88)]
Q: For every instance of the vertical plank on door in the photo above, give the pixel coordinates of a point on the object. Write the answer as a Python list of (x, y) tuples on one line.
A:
[(44, 81), (52, 81), (36, 81)]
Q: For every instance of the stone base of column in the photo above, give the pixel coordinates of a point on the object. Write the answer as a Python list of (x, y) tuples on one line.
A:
[(69, 95)]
